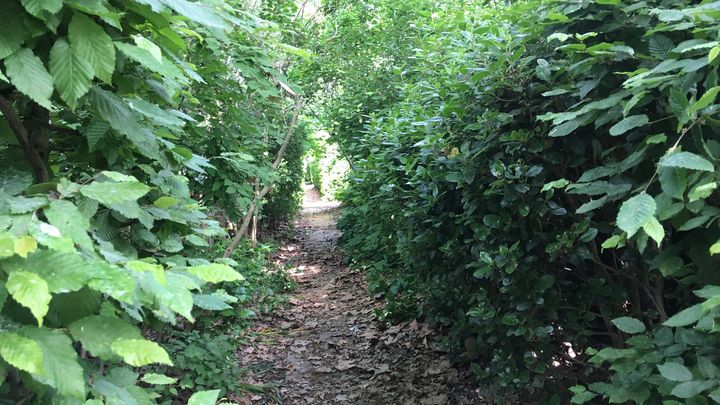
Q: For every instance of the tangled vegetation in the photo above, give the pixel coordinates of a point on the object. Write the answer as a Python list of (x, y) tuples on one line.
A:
[(539, 180), (131, 133)]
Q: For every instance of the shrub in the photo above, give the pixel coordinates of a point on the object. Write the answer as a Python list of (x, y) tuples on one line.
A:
[(549, 195)]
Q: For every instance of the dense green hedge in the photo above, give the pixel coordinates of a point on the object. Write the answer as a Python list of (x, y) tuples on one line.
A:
[(545, 189)]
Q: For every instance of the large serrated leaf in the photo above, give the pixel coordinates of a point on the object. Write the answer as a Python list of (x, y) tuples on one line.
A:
[(144, 57), (97, 334), (60, 361), (687, 160), (215, 273), (92, 44), (23, 353), (28, 74), (635, 212), (210, 302), (30, 291), (72, 74), (39, 7), (204, 398), (95, 132), (140, 352), (67, 218), (61, 271), (155, 113), (629, 325), (685, 317), (675, 371), (629, 123), (12, 30), (660, 46), (197, 12), (109, 193)]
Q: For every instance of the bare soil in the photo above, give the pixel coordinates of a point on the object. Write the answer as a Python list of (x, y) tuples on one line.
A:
[(328, 348)]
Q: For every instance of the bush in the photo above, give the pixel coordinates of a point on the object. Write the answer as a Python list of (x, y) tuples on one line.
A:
[(549, 196)]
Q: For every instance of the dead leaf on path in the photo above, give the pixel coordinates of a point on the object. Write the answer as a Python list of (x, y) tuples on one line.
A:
[(344, 365), (440, 399), (439, 368), (381, 369)]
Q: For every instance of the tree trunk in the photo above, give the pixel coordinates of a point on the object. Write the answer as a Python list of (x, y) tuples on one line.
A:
[(18, 127), (245, 224)]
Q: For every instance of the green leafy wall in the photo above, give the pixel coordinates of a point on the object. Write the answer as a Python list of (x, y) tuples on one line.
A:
[(544, 189)]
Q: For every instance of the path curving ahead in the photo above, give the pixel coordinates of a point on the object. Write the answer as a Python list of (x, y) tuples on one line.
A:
[(327, 348)]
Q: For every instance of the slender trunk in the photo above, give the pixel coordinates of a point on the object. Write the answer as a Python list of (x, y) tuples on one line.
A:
[(32, 154), (245, 224)]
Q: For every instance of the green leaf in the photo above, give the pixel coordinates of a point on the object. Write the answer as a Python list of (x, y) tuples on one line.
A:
[(66, 217), (39, 7), (196, 240), (654, 229), (690, 389), (565, 128), (660, 46), (210, 302), (7, 245), (707, 99), (675, 372), (97, 334), (687, 160), (93, 45), (635, 212), (62, 271), (72, 74), (702, 191), (109, 193), (95, 132), (204, 398), (25, 245), (30, 291), (629, 123), (685, 317), (28, 74), (197, 12), (60, 361), (155, 113), (116, 112), (165, 202), (158, 379), (713, 53), (23, 353), (555, 184), (673, 181), (715, 248), (145, 58), (215, 273), (140, 352), (12, 30), (629, 325)]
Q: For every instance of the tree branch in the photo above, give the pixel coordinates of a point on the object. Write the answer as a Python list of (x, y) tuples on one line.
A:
[(21, 133), (245, 224)]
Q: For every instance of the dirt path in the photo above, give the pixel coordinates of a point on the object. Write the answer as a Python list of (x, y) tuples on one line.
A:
[(327, 348)]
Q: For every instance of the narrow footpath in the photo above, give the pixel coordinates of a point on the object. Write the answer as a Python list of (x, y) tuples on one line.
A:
[(328, 348)]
